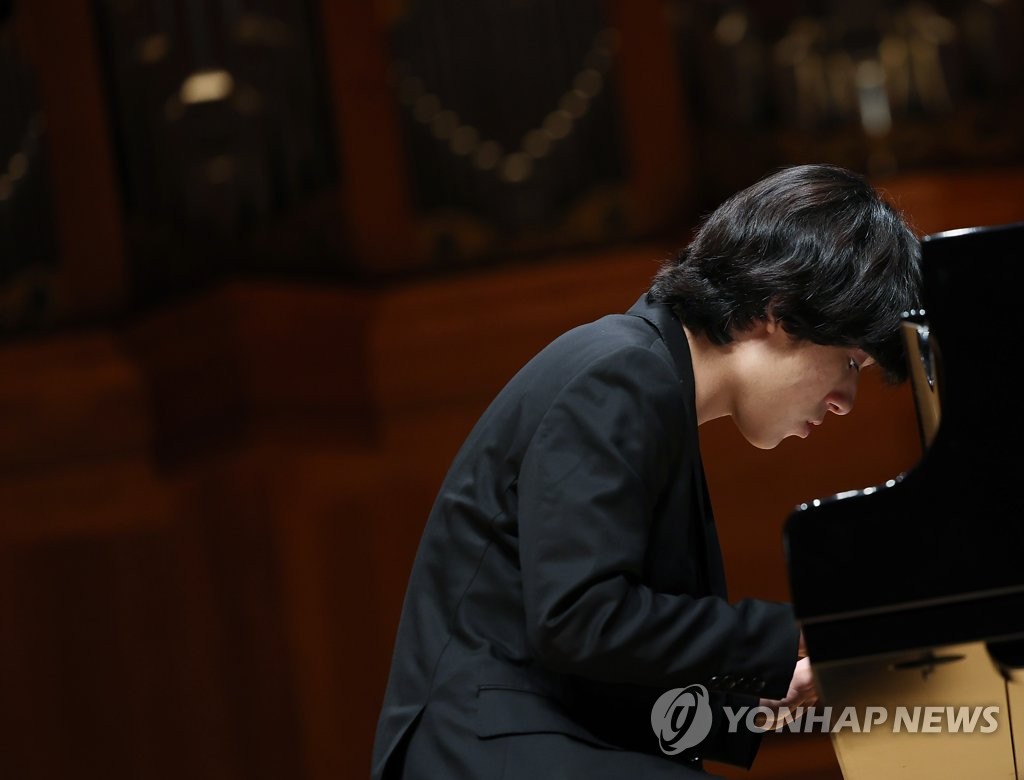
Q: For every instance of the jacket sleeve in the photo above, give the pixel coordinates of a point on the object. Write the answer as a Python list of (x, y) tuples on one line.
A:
[(588, 486)]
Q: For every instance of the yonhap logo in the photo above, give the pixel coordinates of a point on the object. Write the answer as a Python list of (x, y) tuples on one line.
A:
[(681, 718)]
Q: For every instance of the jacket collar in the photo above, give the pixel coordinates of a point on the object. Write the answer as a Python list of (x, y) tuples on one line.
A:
[(671, 329)]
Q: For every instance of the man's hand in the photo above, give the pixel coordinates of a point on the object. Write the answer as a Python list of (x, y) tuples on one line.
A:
[(802, 693)]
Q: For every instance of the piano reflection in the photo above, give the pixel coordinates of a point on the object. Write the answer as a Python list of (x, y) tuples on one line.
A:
[(911, 594)]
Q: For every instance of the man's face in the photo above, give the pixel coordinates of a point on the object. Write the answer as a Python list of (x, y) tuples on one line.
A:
[(787, 387)]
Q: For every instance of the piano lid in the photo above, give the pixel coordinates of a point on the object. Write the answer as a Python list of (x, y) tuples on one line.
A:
[(947, 536)]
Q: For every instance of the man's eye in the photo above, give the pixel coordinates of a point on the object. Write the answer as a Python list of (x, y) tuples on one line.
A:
[(854, 364)]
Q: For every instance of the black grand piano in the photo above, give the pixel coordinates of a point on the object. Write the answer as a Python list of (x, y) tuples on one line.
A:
[(911, 594)]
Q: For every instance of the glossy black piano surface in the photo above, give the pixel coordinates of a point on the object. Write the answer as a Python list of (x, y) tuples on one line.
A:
[(911, 594), (937, 556)]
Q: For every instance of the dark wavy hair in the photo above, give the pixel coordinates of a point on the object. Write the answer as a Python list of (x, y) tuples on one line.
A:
[(814, 246)]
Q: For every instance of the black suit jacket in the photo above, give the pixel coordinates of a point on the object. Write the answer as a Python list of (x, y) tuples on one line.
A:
[(569, 573)]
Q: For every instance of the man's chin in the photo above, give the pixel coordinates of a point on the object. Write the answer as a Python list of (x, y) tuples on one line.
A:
[(763, 444)]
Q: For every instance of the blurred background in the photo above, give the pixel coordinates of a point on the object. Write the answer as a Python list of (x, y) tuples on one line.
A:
[(264, 262)]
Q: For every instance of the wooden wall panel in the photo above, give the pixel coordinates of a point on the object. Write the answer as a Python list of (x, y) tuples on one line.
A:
[(658, 128), (375, 179), (92, 281)]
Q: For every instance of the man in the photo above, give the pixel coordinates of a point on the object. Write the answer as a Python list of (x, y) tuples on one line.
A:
[(569, 573)]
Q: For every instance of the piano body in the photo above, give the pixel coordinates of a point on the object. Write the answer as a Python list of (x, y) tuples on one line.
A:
[(911, 594)]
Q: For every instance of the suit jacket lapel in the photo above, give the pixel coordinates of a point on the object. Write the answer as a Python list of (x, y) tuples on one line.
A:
[(671, 330), (715, 570)]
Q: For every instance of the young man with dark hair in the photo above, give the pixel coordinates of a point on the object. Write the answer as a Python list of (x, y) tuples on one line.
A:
[(569, 573)]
